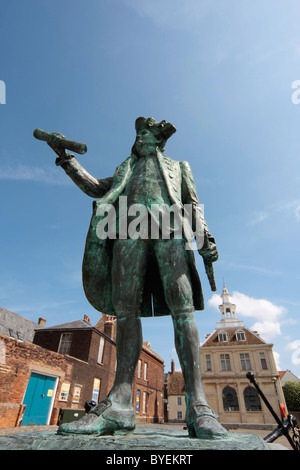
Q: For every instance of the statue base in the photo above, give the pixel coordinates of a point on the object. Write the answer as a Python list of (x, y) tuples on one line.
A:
[(148, 443)]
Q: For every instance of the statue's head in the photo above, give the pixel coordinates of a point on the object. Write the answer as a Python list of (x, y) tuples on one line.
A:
[(152, 131)]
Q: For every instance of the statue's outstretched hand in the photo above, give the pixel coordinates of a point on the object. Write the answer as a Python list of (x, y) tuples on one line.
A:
[(54, 141)]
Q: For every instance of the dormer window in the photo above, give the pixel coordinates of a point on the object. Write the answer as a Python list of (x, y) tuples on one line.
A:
[(15, 335), (222, 336), (240, 335), (19, 335)]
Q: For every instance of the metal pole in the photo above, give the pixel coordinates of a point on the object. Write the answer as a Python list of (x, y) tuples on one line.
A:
[(250, 376)]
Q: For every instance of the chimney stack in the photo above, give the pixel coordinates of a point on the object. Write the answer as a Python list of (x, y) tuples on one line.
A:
[(110, 327), (86, 319), (172, 366), (42, 322)]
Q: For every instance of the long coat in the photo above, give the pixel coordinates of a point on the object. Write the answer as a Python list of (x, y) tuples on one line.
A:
[(98, 254)]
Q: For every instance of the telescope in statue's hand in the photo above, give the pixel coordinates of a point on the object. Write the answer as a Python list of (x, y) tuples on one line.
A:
[(61, 141)]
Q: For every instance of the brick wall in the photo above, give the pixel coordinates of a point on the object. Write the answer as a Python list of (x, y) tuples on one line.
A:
[(17, 361), (151, 388), (80, 346), (84, 354), (106, 370)]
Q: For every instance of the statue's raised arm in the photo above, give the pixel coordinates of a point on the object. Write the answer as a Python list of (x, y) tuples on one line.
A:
[(85, 181)]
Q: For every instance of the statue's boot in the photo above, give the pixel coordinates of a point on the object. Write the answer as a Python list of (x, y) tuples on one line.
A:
[(104, 418), (202, 422)]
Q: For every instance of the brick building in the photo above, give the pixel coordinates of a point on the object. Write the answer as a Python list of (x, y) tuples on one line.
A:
[(18, 360), (226, 356), (174, 396), (92, 349), (65, 366), (148, 386)]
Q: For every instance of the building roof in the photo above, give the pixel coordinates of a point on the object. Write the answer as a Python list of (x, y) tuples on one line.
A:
[(100, 326), (147, 348), (15, 326), (69, 325), (287, 375), (250, 338)]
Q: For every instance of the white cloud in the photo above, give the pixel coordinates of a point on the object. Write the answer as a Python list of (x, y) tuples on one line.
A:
[(267, 329), (277, 359), (295, 346), (20, 172), (267, 314), (288, 208)]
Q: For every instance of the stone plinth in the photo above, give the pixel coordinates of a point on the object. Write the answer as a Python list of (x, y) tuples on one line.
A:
[(152, 440)]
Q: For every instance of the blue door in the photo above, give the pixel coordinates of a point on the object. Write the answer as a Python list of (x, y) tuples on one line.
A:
[(38, 397)]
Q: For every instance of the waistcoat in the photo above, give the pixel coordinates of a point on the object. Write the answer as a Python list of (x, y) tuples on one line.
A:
[(147, 187)]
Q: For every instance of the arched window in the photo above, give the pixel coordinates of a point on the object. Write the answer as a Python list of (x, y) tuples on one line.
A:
[(230, 400), (252, 401)]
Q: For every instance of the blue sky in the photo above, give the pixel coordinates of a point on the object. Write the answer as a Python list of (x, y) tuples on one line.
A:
[(222, 73)]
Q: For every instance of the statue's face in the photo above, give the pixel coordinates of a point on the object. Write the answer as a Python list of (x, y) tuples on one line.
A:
[(145, 138)]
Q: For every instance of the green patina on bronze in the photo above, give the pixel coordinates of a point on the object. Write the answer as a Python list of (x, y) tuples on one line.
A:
[(156, 439), (132, 278)]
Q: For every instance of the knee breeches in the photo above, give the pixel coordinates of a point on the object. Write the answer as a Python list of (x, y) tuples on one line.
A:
[(130, 262)]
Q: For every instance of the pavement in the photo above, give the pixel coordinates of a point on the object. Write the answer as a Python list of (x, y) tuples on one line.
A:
[(35, 428)]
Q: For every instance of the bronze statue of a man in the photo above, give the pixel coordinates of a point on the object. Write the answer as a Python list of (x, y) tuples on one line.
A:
[(135, 276)]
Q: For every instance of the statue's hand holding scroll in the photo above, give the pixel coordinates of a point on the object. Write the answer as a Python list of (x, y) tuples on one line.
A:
[(59, 143), (54, 141)]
